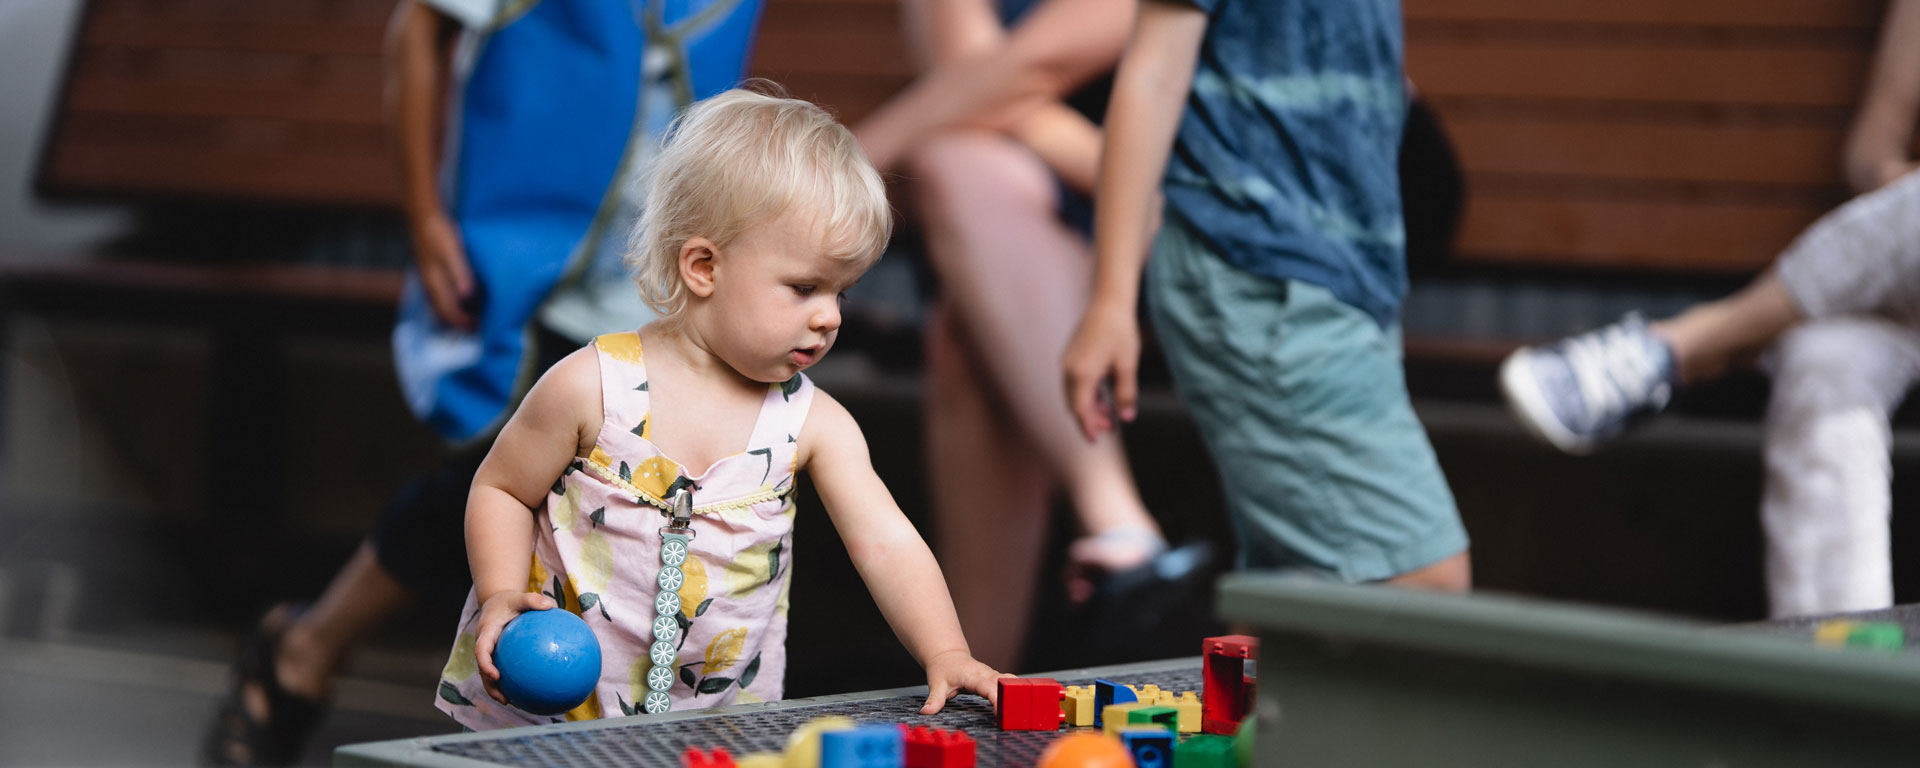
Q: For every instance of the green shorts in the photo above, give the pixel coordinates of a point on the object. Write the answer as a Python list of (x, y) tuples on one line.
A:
[(1303, 402)]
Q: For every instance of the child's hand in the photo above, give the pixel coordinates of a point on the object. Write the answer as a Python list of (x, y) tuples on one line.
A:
[(500, 608), (952, 672)]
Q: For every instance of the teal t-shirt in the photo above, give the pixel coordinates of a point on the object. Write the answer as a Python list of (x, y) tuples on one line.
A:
[(1286, 158)]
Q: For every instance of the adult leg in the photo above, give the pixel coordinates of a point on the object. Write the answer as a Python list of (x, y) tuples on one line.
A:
[(1827, 501), (1016, 281), (989, 497)]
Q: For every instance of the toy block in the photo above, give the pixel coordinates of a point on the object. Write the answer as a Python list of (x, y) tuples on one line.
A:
[(1227, 670), (1879, 635), (1115, 717), (1187, 706), (868, 746), (1883, 635), (1205, 751), (929, 747), (1151, 714), (1148, 692), (1076, 702), (763, 760), (1030, 704), (696, 757), (1107, 693), (1151, 747)]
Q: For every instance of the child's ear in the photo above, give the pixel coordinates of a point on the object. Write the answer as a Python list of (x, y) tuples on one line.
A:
[(697, 265)]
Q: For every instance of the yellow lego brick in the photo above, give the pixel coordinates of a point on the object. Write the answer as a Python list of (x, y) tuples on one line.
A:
[(1834, 633), (1114, 717), (1077, 704), (1188, 705)]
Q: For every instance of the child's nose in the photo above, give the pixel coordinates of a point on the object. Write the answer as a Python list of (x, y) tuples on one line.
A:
[(827, 319)]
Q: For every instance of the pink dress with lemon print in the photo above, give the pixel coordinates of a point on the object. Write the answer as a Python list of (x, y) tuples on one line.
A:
[(597, 553)]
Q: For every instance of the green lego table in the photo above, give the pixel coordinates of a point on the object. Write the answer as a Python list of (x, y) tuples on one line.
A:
[(1372, 676), (1369, 676)]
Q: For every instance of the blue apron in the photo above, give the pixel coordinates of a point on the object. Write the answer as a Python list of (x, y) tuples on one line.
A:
[(546, 121)]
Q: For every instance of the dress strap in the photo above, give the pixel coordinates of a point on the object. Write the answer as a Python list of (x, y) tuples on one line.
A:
[(623, 386), (783, 413)]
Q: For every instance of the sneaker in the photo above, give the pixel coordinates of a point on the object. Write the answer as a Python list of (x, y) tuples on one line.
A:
[(1583, 391)]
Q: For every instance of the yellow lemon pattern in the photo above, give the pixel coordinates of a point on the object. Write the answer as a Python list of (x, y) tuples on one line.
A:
[(724, 650), (655, 476), (594, 567), (624, 347), (753, 567), (563, 510), (693, 591)]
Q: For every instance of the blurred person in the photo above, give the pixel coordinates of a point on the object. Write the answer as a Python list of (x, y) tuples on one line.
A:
[(1271, 132), (519, 127), (762, 212), (999, 136), (1840, 311)]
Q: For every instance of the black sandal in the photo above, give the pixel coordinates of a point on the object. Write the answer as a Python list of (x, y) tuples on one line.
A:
[(235, 738)]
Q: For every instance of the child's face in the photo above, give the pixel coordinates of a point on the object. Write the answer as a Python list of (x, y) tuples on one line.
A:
[(775, 308)]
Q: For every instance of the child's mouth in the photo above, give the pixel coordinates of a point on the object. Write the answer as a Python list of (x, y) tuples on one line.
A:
[(804, 357)]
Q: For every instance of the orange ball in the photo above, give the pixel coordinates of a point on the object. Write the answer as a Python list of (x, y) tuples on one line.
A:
[(1086, 750)]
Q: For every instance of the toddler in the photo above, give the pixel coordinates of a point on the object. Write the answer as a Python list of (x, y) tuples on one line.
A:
[(646, 482)]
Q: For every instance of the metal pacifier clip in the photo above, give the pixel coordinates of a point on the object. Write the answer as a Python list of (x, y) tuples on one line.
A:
[(675, 539)]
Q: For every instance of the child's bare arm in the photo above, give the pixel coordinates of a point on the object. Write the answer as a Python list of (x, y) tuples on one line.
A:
[(1149, 95), (533, 448), (892, 558)]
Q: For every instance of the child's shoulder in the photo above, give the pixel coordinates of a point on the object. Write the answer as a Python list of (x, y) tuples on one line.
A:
[(574, 381), (829, 426)]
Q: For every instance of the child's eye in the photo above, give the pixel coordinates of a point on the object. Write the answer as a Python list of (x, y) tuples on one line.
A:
[(803, 290)]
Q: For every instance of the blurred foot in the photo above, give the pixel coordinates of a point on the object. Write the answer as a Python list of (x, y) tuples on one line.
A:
[(261, 722), (1583, 391), (1091, 559)]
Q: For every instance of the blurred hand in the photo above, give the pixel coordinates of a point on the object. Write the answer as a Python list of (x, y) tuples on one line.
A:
[(444, 272), (954, 672), (1105, 349), (500, 608)]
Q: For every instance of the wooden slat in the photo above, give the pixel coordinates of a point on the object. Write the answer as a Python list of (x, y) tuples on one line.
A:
[(112, 96), (1828, 14), (1571, 72), (130, 31), (263, 176), (160, 134), (1734, 237), (1735, 152), (833, 53), (241, 69), (305, 11)]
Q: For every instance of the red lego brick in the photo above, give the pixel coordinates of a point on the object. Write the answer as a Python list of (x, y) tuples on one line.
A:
[(939, 748), (1031, 704), (695, 757), (1227, 693)]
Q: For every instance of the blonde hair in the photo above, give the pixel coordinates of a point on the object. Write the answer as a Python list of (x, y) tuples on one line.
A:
[(741, 158)]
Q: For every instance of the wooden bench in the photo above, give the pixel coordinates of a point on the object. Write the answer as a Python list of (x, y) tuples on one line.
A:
[(1642, 135)]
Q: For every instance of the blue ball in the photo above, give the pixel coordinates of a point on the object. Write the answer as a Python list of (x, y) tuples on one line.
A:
[(549, 661)]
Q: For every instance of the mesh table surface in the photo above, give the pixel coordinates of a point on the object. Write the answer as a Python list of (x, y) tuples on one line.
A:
[(743, 733)]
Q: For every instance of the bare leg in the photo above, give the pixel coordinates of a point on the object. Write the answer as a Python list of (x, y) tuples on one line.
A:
[(360, 596), (989, 543), (1709, 338), (1016, 281)]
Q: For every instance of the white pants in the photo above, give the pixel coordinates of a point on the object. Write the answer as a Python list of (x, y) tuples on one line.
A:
[(1827, 501), (1837, 379)]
